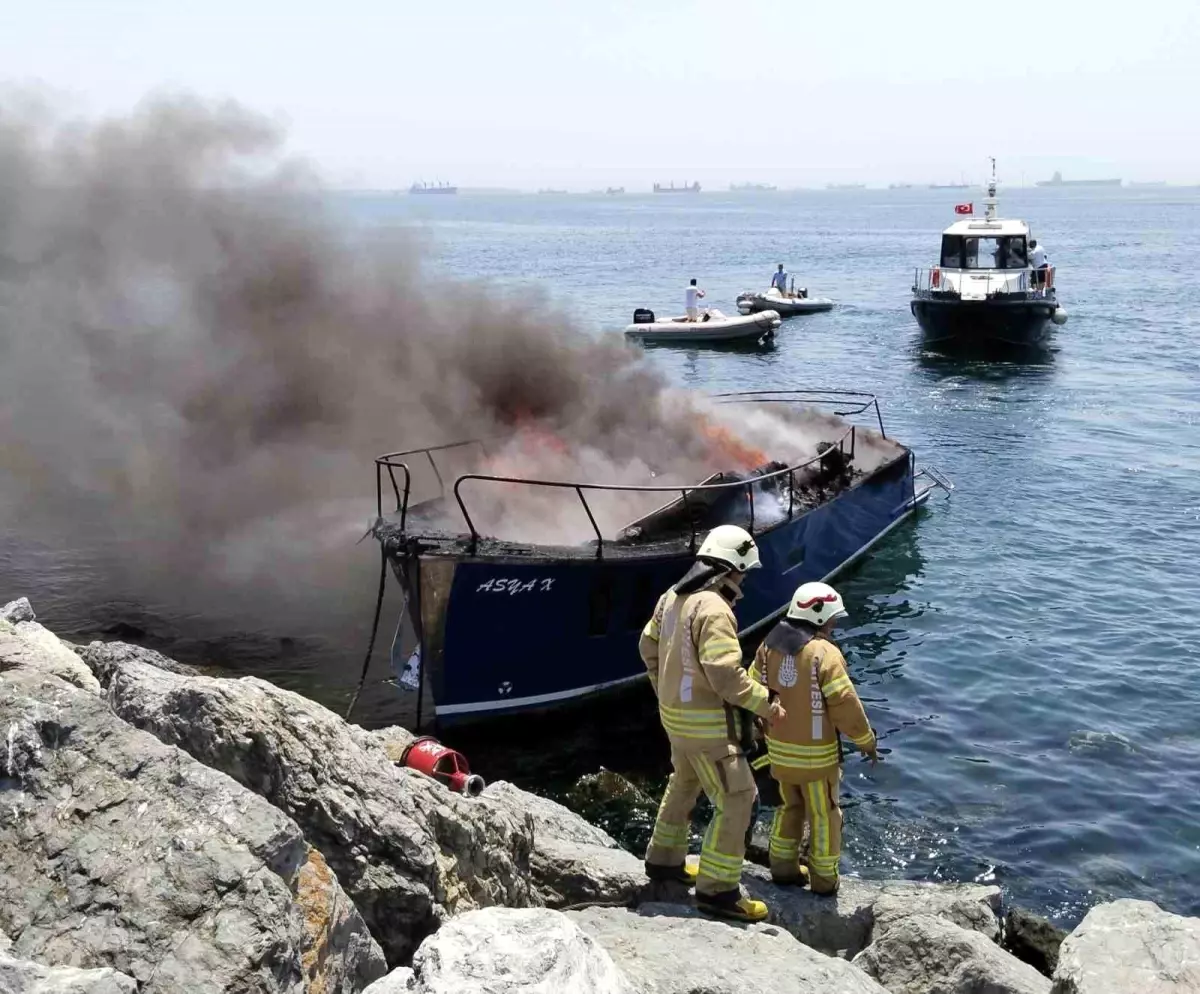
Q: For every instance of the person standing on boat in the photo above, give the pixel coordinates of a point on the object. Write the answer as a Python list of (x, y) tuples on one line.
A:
[(779, 281), (1039, 262), (801, 667), (691, 300), (691, 651)]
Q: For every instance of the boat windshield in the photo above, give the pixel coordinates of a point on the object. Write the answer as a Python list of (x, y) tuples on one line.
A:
[(1007, 252)]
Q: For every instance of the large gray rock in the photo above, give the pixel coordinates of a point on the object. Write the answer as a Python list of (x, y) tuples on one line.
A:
[(17, 611), (104, 658), (507, 951), (573, 861), (26, 645), (400, 981), (1130, 946), (24, 977), (845, 923), (551, 820), (408, 851), (671, 949), (118, 851), (925, 955)]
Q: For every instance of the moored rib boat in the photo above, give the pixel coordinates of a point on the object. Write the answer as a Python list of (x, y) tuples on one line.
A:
[(714, 326), (579, 609)]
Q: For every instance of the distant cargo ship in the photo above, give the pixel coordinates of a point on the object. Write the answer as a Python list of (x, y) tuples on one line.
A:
[(556, 193), (845, 186), (614, 191), (948, 186), (432, 188), (1057, 180), (900, 186), (694, 188), (749, 187)]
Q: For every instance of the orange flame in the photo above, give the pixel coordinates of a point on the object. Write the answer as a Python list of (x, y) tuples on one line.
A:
[(727, 449)]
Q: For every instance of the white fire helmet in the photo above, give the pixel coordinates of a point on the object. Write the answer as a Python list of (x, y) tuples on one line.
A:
[(730, 544), (816, 603)]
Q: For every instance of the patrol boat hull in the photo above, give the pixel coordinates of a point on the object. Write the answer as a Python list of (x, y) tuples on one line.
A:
[(503, 628), (1016, 324)]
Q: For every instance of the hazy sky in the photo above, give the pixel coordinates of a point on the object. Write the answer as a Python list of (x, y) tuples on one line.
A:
[(530, 93)]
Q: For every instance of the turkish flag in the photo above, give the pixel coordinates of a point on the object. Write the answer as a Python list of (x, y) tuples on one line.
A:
[(963, 208)]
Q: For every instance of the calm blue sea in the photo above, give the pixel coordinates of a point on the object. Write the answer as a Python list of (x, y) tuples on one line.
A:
[(1029, 649)]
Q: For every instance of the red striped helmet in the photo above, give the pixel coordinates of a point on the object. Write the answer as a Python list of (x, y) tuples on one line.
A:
[(816, 603)]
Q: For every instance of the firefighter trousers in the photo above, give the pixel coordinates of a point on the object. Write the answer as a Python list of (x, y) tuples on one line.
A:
[(814, 803), (724, 775)]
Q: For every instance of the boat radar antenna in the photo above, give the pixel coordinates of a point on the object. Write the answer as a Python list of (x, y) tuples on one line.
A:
[(989, 202)]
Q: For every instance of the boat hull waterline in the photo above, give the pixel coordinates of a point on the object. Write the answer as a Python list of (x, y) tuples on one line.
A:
[(967, 322)]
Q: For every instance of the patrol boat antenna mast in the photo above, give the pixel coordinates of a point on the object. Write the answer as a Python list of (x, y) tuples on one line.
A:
[(989, 202)]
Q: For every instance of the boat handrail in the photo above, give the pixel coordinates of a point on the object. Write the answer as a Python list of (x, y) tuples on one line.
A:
[(865, 401), (684, 491), (928, 282), (844, 402)]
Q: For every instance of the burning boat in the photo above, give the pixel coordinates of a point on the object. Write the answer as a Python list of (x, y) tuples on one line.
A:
[(504, 626)]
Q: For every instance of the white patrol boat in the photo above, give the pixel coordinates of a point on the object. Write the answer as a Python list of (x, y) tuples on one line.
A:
[(984, 290)]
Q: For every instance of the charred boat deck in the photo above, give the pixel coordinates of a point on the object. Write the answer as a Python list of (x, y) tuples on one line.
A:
[(503, 626)]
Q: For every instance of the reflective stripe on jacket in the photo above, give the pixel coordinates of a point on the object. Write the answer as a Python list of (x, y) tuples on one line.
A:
[(815, 691), (692, 654)]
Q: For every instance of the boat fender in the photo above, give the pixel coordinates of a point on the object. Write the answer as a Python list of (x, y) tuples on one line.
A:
[(427, 755), (1059, 316), (935, 277)]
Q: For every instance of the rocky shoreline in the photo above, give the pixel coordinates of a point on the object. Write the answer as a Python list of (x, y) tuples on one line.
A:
[(166, 831)]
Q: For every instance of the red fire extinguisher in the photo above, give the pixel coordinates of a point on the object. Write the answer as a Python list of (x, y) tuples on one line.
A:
[(427, 755)]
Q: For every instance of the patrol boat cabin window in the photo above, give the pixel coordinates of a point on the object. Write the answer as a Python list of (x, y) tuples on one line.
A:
[(995, 252)]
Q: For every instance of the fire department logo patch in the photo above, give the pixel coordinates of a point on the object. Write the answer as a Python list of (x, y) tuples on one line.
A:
[(787, 671)]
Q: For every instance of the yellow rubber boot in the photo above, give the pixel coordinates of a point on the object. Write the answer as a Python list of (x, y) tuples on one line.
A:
[(792, 876), (732, 906)]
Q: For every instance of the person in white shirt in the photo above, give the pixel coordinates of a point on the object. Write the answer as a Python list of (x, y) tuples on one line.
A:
[(1039, 262), (779, 280), (692, 295)]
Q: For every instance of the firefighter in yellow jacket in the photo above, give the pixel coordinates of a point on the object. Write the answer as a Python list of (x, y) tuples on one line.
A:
[(691, 650), (800, 666)]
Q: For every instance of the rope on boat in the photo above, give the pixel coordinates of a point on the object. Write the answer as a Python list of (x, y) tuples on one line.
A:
[(374, 632)]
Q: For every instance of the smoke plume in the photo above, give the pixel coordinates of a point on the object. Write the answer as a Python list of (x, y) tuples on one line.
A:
[(200, 358)]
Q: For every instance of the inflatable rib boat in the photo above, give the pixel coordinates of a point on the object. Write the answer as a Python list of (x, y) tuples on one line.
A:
[(751, 301), (713, 326)]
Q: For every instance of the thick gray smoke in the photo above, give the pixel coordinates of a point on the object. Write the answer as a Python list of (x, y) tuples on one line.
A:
[(199, 361)]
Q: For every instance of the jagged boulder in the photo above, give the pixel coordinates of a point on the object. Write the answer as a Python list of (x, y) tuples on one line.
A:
[(1129, 946), (400, 981), (119, 851), (844, 924), (925, 955), (671, 949), (26, 645), (503, 950), (14, 612), (573, 861), (408, 851), (103, 659), (24, 977), (1033, 940)]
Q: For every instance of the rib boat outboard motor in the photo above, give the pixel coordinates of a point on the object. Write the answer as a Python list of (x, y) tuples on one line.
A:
[(643, 315)]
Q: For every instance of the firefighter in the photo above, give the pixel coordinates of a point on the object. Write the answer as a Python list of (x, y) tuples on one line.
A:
[(691, 650), (800, 665)]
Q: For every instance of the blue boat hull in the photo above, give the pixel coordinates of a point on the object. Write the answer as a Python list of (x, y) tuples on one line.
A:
[(503, 635)]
